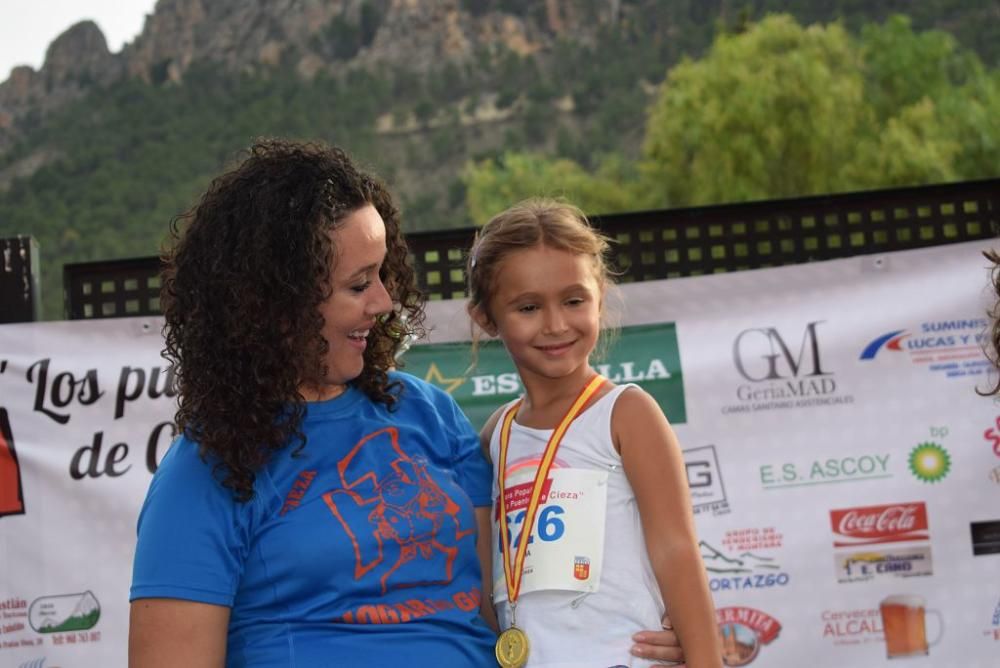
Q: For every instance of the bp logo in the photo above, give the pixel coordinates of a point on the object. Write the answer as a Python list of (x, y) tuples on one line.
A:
[(929, 462)]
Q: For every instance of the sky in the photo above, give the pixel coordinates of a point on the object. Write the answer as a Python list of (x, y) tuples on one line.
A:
[(27, 27)]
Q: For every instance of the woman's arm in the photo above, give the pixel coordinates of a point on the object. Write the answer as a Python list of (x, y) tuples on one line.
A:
[(172, 633), (484, 547), (652, 460), (484, 544)]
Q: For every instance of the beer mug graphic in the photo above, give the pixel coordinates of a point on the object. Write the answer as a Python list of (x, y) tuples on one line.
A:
[(903, 622)]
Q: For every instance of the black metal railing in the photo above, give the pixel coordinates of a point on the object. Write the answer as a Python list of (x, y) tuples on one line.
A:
[(656, 244), (19, 300)]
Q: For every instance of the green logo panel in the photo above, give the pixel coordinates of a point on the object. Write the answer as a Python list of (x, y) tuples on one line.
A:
[(647, 355)]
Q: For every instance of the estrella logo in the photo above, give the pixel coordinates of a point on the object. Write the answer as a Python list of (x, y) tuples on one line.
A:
[(890, 341), (11, 494), (391, 496)]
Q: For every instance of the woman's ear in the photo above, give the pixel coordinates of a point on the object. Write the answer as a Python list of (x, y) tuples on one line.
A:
[(481, 318)]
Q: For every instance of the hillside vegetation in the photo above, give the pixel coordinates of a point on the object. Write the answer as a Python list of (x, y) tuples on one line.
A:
[(695, 103)]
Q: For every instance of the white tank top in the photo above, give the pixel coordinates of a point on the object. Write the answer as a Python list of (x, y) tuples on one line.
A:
[(587, 584)]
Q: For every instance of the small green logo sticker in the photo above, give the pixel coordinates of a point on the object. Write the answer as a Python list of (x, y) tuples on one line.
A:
[(929, 462)]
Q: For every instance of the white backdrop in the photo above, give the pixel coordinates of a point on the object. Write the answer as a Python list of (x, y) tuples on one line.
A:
[(837, 451)]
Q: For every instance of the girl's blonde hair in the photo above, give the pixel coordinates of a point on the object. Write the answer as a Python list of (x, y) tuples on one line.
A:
[(534, 222)]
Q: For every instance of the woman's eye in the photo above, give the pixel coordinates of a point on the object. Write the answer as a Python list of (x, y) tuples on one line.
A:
[(361, 288), (528, 308)]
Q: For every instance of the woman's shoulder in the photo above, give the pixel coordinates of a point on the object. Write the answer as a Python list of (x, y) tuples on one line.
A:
[(184, 465), (185, 482), (184, 452), (428, 401)]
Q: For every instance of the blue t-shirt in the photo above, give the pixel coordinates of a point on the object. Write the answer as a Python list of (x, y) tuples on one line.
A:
[(360, 551)]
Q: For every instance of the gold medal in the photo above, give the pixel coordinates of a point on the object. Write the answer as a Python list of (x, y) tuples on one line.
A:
[(512, 648)]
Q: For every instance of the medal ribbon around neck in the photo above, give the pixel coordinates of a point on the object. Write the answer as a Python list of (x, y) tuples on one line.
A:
[(514, 571)]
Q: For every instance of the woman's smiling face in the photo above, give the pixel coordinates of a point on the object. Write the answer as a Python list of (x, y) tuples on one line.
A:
[(357, 298)]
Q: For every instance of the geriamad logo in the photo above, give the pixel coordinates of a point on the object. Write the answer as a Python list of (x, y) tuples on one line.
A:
[(408, 510), (11, 494)]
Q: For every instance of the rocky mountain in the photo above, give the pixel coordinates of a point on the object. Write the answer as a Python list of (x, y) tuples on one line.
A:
[(306, 36), (76, 61)]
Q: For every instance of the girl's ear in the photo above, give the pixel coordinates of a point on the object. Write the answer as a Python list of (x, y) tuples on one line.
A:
[(480, 317)]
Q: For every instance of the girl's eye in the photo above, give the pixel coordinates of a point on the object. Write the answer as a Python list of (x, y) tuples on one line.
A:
[(575, 301), (527, 308)]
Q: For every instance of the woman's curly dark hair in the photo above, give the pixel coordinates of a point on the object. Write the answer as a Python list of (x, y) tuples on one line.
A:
[(241, 290)]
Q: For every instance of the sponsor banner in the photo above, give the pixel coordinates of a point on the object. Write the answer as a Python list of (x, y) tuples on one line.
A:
[(909, 627), (646, 355), (828, 470), (929, 462), (778, 412), (951, 348), (992, 436), (869, 525), (783, 370), (753, 538), (744, 632), (985, 537), (85, 416), (883, 564), (11, 494), (993, 630), (708, 494), (745, 561), (852, 627), (57, 620)]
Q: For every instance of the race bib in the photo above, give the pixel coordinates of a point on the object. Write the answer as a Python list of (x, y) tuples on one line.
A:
[(566, 546)]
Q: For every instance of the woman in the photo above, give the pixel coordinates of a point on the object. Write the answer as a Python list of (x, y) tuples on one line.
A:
[(318, 508)]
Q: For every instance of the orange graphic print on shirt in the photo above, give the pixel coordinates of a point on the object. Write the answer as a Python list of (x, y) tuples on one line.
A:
[(403, 526)]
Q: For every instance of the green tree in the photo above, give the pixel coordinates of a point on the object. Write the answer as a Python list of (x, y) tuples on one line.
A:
[(913, 147), (971, 114), (493, 185), (901, 67), (782, 111), (768, 113)]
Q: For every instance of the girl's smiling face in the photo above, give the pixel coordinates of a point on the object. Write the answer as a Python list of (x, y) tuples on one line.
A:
[(546, 308)]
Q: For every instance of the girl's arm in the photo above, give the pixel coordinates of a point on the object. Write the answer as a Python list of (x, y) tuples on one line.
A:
[(652, 460), (171, 633)]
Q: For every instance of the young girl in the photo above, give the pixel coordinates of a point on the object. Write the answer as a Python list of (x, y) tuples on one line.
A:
[(593, 468)]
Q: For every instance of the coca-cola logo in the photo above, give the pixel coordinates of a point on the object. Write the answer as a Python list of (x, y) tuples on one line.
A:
[(880, 524)]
